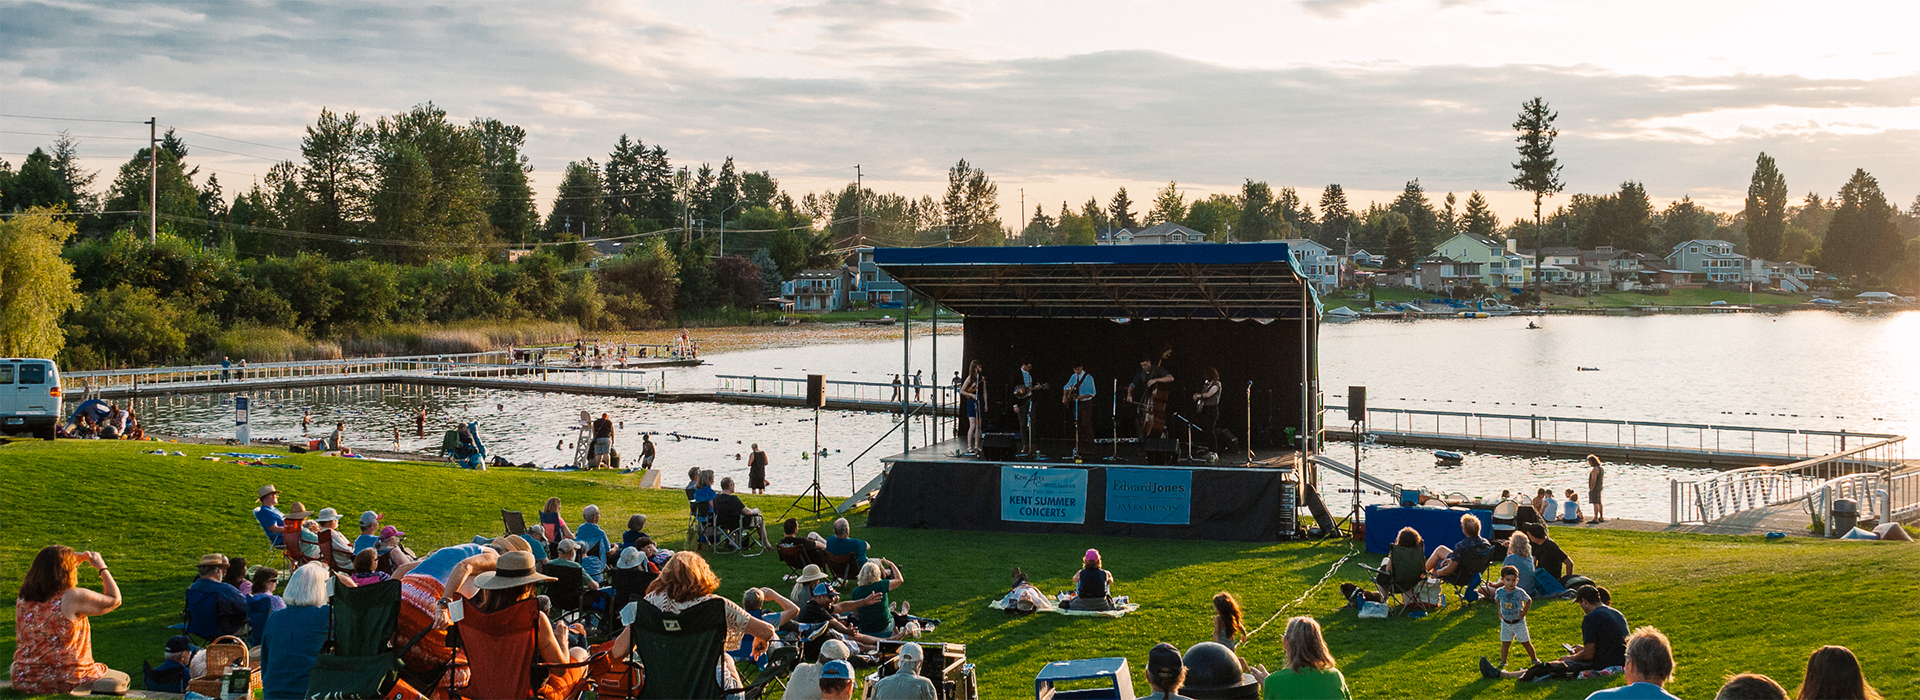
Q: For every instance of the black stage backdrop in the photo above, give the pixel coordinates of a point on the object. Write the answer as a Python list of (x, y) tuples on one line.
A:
[(1267, 354), (1228, 504)]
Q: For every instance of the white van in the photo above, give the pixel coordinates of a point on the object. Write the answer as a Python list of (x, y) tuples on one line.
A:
[(29, 396)]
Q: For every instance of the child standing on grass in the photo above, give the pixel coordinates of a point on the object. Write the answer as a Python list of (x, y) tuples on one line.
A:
[(1514, 605)]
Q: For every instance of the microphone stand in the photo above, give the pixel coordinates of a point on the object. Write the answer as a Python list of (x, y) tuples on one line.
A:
[(1249, 422), (1114, 454), (1189, 423)]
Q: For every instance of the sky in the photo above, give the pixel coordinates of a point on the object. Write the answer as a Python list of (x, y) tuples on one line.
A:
[(1056, 101)]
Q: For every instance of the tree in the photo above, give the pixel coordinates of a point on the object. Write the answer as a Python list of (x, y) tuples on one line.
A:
[(1449, 220), (36, 185), (76, 183), (1402, 248), (1096, 214), (432, 186), (1412, 203), (336, 175), (1257, 219), (759, 189), (1684, 221), (1296, 213), (36, 284), (769, 274), (1766, 211), (1479, 218), (511, 214), (1622, 220), (178, 197), (578, 207), (1040, 228), (1213, 216), (1169, 205), (972, 206), (1538, 170), (1862, 237), (1336, 219), (1076, 229), (1120, 209)]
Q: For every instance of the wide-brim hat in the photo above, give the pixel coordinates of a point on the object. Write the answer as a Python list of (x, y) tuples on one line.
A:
[(510, 570), (327, 515), (812, 573), (630, 558), (266, 491), (215, 559), (300, 512)]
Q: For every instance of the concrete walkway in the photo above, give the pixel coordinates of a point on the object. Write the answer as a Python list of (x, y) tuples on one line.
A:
[(1790, 518)]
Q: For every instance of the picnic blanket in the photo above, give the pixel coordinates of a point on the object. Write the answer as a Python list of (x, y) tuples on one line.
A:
[(1001, 604), (250, 455)]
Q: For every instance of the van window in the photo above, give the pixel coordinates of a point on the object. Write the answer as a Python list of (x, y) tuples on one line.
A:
[(33, 373), (6, 374)]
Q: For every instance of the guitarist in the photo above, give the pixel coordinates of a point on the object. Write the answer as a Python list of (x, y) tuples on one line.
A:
[(1148, 393), (1078, 393), (1023, 404)]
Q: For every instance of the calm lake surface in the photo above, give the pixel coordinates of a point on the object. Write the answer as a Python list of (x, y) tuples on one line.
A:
[(1809, 369)]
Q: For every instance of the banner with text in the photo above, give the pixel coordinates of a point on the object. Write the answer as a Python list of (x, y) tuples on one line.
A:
[(1042, 495), (1150, 496)]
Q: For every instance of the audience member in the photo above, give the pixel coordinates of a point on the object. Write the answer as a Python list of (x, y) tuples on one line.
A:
[(214, 608), (596, 548), (1833, 673), (366, 570), (262, 603), (1553, 509), (1228, 627), (636, 529), (693, 483), (272, 521), (429, 584), (1165, 673), (824, 607), (1310, 673), (393, 549), (1571, 509), (1445, 560), (52, 632), (180, 662), (1596, 481), (291, 643), (329, 521), (754, 602), (369, 532), (514, 580), (1092, 585), (1552, 566), (1024, 597), (1751, 686), (803, 583), (836, 681), (237, 576), (1603, 634), (878, 578), (906, 683), (703, 487), (1540, 499), (1407, 551), (551, 521), (757, 471), (1520, 557), (687, 581), (842, 542), (728, 509), (1649, 667), (804, 682), (567, 556)]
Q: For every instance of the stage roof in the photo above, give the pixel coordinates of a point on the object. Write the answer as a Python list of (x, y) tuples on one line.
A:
[(1191, 281)]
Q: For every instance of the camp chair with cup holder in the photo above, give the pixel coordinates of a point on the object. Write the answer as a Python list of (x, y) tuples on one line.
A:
[(1466, 575), (359, 659), (566, 591), (740, 533), (501, 654), (702, 531), (842, 566), (679, 650)]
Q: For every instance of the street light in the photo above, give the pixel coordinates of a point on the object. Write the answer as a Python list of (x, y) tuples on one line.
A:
[(723, 228)]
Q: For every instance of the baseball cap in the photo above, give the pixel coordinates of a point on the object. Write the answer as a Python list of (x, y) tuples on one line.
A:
[(179, 643), (369, 518), (391, 531), (824, 589), (1093, 555), (911, 651), (836, 670), (1163, 662)]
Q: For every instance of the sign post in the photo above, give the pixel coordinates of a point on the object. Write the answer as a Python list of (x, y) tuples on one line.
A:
[(240, 432)]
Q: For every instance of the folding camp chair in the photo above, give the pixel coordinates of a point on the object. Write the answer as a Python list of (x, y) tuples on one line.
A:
[(1409, 569), (501, 654), (566, 591), (359, 658), (842, 566), (1504, 514), (326, 554), (740, 533), (1472, 563), (628, 585), (679, 649), (291, 544), (798, 556), (224, 621), (701, 530), (166, 679)]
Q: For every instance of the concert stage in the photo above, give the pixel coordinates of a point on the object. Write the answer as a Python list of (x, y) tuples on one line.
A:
[(1241, 310), (933, 488)]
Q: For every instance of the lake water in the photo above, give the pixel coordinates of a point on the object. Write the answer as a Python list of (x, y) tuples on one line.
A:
[(1802, 369)]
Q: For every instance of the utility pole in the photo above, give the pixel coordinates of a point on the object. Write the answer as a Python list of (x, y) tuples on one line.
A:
[(859, 206), (153, 180), (1023, 214)]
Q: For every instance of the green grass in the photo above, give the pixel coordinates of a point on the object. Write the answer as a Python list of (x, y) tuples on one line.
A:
[(1730, 604), (1345, 297), (1678, 297)]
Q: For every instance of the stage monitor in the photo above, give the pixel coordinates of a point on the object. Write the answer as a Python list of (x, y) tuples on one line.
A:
[(816, 391), (1357, 404)]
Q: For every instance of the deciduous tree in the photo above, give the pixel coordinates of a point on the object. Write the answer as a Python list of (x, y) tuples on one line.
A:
[(36, 284)]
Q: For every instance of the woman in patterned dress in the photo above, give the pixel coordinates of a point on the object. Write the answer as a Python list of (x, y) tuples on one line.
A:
[(54, 652)]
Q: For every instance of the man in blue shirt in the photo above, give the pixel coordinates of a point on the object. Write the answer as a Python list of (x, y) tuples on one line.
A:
[(272, 521), (369, 520), (213, 607), (1649, 667), (594, 544), (1079, 390), (1603, 634), (842, 542)]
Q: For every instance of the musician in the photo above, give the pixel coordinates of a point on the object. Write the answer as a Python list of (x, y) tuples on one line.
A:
[(1079, 391), (1023, 404), (1141, 392), (973, 396), (1209, 401)]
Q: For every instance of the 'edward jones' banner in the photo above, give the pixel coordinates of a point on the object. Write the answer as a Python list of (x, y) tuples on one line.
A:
[(1150, 496), (1043, 495)]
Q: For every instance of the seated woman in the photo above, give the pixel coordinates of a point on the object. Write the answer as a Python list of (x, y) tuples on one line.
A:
[(880, 577), (684, 582), (291, 640), (513, 580), (1571, 514), (1310, 673), (365, 568), (1445, 559), (551, 521), (1024, 597), (1520, 557), (53, 652), (1092, 585)]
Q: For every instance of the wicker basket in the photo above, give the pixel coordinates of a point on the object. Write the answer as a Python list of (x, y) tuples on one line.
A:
[(222, 654)]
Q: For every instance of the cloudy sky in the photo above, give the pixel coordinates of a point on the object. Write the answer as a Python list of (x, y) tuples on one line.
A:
[(1060, 99)]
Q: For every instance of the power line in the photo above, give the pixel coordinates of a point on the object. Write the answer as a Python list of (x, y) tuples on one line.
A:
[(224, 138), (72, 119), (71, 136)]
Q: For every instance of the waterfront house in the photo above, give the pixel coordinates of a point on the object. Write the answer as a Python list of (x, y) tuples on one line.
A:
[(1167, 233), (1710, 259), (1362, 258), (1619, 269), (1317, 263), (1500, 266), (1440, 274), (819, 291), (1112, 236), (873, 285)]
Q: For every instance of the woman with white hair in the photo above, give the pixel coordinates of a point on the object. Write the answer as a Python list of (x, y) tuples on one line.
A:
[(879, 576), (595, 546), (294, 635)]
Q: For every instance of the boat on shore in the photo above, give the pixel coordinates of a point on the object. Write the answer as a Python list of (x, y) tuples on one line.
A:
[(882, 321)]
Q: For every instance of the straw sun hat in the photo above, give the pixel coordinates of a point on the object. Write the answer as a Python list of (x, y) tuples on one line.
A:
[(512, 569)]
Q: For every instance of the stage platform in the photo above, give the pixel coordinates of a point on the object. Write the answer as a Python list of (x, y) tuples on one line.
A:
[(934, 488)]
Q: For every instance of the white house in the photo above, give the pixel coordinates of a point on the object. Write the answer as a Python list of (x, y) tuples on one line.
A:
[(1317, 262)]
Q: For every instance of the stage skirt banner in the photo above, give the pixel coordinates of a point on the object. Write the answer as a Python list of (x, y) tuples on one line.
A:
[(1043, 495), (1149, 496)]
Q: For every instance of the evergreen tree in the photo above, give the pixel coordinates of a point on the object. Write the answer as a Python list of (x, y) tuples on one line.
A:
[(1538, 170), (511, 214), (1169, 205), (1862, 237), (769, 273), (1257, 222), (1040, 228), (336, 175), (179, 199), (36, 185), (1449, 220), (1336, 220), (1421, 219), (1120, 210), (578, 204), (1096, 214), (1297, 214), (1766, 210), (432, 186), (76, 182), (1075, 229), (1479, 217), (759, 189), (624, 177), (1402, 249), (726, 193), (972, 206)]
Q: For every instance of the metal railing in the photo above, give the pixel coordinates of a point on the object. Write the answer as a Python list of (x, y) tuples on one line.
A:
[(873, 392), (1761, 443), (1732, 492), (478, 369)]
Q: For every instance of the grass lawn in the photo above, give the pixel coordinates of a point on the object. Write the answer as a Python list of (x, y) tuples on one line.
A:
[(1730, 604), (1345, 297), (1678, 297)]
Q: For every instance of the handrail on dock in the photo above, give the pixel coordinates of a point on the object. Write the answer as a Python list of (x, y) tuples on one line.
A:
[(1759, 442), (1854, 472)]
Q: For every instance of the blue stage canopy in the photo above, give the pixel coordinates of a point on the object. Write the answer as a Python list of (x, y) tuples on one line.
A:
[(1191, 281)]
